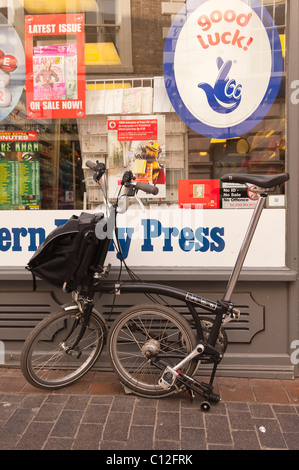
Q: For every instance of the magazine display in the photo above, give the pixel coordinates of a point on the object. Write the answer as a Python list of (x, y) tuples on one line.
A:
[(55, 72)]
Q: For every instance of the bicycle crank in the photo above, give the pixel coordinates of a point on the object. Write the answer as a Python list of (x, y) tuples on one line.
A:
[(171, 377)]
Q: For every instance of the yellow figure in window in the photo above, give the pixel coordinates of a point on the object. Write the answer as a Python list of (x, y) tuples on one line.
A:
[(151, 153)]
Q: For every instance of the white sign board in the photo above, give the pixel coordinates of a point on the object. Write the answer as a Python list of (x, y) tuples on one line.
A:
[(166, 237)]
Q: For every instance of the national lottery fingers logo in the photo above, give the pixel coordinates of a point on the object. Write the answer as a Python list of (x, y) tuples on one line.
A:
[(222, 65), (226, 95)]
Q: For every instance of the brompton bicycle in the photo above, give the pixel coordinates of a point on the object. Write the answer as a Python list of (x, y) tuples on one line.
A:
[(154, 350)]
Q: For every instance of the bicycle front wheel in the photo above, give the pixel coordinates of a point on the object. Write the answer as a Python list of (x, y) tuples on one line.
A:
[(144, 335), (47, 359)]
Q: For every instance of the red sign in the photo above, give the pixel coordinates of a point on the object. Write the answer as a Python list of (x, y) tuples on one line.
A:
[(55, 73), (199, 194), (18, 136), (134, 129)]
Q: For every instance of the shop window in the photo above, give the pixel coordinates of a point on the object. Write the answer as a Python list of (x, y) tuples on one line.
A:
[(108, 37), (42, 162), (40, 165), (262, 150)]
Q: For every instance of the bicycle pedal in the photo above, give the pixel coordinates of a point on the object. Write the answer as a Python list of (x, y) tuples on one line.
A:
[(191, 395), (168, 378)]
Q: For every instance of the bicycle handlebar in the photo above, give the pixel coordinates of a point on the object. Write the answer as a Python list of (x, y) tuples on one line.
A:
[(91, 165), (147, 188), (126, 180)]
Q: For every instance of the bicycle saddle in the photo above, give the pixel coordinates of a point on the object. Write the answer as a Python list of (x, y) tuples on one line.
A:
[(263, 181)]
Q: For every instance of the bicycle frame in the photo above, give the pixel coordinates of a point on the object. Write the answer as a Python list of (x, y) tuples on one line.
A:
[(153, 348), (223, 310), (218, 308)]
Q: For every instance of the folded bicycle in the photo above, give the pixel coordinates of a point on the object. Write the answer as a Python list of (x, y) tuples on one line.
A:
[(154, 350)]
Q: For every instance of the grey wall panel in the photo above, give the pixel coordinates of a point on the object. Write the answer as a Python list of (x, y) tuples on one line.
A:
[(258, 343)]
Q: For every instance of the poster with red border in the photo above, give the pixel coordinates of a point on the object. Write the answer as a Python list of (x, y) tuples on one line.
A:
[(203, 194), (134, 129), (137, 144), (55, 73)]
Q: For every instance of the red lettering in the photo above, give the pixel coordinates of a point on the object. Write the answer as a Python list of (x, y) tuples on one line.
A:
[(244, 17), (216, 16), (230, 16), (203, 44), (238, 40), (213, 42), (205, 21), (224, 36)]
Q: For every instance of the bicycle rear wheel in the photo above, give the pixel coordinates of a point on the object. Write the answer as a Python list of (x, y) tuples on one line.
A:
[(146, 332), (48, 362)]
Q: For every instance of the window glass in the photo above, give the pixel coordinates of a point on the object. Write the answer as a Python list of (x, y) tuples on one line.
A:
[(129, 124), (100, 25), (260, 151)]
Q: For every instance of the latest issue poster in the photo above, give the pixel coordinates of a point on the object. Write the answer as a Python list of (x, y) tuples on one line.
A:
[(55, 73)]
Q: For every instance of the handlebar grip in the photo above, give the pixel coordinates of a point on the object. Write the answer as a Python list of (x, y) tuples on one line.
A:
[(91, 165), (147, 188)]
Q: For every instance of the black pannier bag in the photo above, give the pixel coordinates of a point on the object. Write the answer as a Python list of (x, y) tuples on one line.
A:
[(68, 256)]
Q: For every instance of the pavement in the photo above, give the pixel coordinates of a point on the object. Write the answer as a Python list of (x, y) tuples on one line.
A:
[(96, 414)]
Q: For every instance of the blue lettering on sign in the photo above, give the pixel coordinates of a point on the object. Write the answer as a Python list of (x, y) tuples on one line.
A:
[(13, 240), (124, 242), (59, 222), (200, 239)]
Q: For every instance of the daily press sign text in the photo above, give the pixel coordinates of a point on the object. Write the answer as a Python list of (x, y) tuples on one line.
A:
[(154, 238)]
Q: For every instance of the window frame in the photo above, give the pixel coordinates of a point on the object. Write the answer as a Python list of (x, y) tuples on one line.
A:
[(123, 24)]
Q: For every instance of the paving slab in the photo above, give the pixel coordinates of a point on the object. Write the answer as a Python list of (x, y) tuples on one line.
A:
[(97, 414)]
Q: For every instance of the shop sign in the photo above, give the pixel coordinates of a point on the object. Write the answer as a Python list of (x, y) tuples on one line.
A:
[(222, 65), (12, 68), (19, 170), (203, 194), (138, 129), (166, 237), (55, 73), (137, 144), (236, 195)]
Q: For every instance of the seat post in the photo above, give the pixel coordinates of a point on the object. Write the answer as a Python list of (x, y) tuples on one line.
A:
[(245, 246)]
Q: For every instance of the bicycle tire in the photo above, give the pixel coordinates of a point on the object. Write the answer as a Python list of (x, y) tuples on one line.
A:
[(53, 369), (149, 328)]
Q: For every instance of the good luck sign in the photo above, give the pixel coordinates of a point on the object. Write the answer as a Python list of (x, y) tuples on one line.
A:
[(222, 65)]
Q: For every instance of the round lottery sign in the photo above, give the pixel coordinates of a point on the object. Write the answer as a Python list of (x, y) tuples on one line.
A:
[(12, 68), (222, 65)]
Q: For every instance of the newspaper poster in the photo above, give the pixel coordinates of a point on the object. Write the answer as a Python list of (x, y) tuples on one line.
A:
[(137, 143), (55, 73)]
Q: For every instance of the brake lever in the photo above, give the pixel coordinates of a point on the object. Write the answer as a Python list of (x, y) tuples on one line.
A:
[(139, 201)]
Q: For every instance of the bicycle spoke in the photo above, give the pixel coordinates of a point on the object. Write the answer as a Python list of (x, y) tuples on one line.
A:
[(144, 336)]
